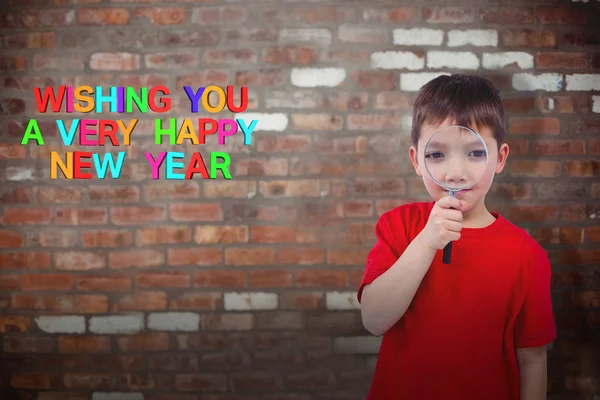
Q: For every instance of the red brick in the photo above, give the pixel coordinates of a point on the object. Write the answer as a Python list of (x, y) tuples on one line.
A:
[(137, 215), (347, 257), (56, 195), (293, 188), (250, 256), (84, 344), (284, 144), (107, 238), (263, 77), (90, 381), (579, 257), (81, 216), (142, 301), (535, 168), (507, 15), (270, 278), (262, 167), (12, 151), (379, 80), (14, 323), (302, 300), (82, 304), (290, 55), (10, 282), (561, 60), (273, 234), (36, 40), (581, 168), (103, 283), (196, 301), (195, 256), (562, 235), (28, 344), (558, 147), (10, 63), (47, 281), (230, 57), (581, 38), (222, 279), (532, 213), (163, 280), (188, 212), (385, 15), (163, 235), (144, 342), (25, 261), (533, 125), (321, 278), (528, 38), (593, 234), (201, 382), (31, 380), (15, 195), (79, 261), (112, 194), (171, 190), (136, 259), (164, 15), (448, 15), (561, 15), (28, 216), (103, 16)]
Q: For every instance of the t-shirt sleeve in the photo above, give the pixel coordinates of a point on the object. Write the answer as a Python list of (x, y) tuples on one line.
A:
[(391, 243), (535, 325)]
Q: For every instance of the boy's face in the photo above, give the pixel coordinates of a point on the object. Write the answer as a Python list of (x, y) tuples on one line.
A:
[(496, 159)]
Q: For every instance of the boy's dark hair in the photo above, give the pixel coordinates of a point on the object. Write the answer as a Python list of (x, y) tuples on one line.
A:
[(470, 100)]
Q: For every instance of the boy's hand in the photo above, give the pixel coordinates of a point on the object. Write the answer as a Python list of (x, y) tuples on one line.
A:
[(444, 224)]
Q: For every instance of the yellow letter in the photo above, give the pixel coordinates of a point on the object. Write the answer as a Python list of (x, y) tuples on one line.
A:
[(222, 99), (86, 99), (55, 161)]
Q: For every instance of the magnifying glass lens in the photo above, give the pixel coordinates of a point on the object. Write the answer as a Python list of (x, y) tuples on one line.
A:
[(455, 157)]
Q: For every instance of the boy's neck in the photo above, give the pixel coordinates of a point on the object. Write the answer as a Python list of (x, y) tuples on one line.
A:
[(478, 216)]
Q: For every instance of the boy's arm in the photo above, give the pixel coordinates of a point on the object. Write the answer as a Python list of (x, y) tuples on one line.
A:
[(386, 299), (533, 372)]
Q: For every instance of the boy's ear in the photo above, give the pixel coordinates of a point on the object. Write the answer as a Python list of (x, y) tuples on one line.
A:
[(414, 158), (502, 156)]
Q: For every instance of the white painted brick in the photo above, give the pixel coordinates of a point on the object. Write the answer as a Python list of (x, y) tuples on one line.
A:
[(357, 344), (61, 324), (418, 37), (320, 36), (450, 59), (397, 60), (406, 122), (117, 396), (576, 82), (266, 122), (317, 77), (500, 60), (117, 324), (19, 174), (341, 301), (174, 321), (413, 81), (596, 104), (549, 82), (475, 37), (250, 301)]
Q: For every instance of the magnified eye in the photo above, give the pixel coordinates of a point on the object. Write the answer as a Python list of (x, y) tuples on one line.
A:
[(478, 154), (434, 155)]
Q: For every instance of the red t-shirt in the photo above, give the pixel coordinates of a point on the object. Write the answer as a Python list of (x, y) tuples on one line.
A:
[(458, 338)]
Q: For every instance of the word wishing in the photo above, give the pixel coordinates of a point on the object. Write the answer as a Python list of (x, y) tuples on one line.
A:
[(171, 131)]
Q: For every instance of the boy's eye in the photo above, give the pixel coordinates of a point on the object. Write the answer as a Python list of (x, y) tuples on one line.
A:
[(436, 154), (478, 153)]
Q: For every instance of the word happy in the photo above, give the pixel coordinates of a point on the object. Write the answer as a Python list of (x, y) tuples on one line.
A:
[(79, 164)]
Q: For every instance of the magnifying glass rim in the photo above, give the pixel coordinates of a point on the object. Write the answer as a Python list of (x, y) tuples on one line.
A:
[(431, 175)]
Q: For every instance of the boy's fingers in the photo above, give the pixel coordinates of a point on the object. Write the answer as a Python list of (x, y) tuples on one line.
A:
[(450, 202), (453, 215)]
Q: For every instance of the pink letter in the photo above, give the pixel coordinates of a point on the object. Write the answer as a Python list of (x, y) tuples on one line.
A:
[(233, 127), (84, 131), (155, 164)]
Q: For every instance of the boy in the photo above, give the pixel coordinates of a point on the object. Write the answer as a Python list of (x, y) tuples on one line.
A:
[(475, 328)]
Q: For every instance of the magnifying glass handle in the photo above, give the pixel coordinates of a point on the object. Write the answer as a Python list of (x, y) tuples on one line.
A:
[(448, 249)]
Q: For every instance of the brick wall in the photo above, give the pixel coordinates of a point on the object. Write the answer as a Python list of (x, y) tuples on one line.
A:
[(172, 289)]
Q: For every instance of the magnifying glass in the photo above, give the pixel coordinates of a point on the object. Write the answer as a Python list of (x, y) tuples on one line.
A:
[(455, 158)]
